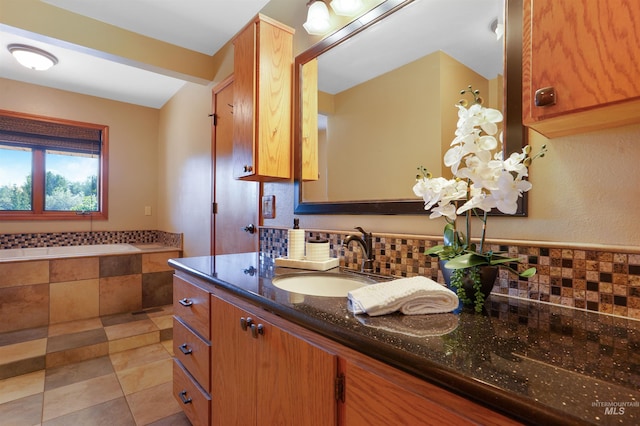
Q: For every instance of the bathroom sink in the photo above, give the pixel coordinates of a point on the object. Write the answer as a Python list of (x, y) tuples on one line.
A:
[(327, 284)]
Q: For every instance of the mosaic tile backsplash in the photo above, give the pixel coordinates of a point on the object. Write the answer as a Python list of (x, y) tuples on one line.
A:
[(59, 239), (587, 279)]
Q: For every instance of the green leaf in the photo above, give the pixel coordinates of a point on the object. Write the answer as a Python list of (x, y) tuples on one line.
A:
[(449, 235), (467, 260), (528, 273), (434, 251)]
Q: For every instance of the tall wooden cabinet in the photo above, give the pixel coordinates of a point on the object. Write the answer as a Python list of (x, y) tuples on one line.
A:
[(581, 62), (262, 375), (263, 67)]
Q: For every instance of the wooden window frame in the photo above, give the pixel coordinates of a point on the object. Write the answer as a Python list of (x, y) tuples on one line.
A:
[(37, 211)]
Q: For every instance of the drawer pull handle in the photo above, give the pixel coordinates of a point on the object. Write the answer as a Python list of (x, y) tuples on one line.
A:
[(256, 330), (245, 323), (184, 348), (186, 302), (183, 397)]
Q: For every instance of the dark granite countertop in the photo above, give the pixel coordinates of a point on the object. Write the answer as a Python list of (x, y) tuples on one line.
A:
[(535, 362)]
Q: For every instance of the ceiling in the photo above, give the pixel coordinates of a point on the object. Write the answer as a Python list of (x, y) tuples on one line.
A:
[(202, 26), (95, 58)]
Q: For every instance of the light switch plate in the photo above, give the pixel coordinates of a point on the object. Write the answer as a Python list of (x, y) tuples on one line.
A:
[(269, 206)]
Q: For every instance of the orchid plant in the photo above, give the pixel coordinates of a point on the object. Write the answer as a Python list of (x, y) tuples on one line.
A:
[(482, 181)]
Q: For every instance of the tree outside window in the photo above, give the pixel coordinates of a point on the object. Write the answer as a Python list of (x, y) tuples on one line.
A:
[(51, 168)]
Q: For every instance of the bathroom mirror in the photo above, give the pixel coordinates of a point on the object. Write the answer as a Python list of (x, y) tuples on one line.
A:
[(413, 123)]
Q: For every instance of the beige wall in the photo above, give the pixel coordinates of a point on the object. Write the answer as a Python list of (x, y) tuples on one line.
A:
[(133, 169), (184, 168)]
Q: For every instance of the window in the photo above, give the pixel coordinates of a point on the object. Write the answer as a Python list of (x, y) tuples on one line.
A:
[(52, 169)]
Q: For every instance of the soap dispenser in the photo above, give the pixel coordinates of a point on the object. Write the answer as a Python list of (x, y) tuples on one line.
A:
[(295, 241)]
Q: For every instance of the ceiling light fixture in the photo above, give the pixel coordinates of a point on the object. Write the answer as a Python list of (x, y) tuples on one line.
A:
[(32, 57), (317, 18), (346, 7)]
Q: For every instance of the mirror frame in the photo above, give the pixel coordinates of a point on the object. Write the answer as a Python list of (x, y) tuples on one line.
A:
[(514, 131)]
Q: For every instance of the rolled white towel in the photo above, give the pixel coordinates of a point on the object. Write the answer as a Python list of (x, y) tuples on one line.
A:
[(411, 296)]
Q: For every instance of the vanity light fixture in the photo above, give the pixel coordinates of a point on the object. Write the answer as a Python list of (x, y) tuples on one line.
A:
[(317, 18), (346, 7), (32, 57)]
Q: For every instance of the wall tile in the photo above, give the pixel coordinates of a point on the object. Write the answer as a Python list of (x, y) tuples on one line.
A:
[(606, 281)]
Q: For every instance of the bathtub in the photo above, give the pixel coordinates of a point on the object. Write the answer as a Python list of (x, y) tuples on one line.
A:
[(10, 255)]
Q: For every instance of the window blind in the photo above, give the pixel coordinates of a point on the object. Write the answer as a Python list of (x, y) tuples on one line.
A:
[(34, 133)]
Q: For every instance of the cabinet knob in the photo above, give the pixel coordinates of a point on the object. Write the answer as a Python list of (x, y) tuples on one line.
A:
[(250, 228), (184, 348), (545, 96), (183, 397), (186, 302), (245, 323), (257, 330), (247, 168)]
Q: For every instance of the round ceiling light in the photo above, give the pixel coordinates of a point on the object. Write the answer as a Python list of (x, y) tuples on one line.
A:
[(32, 57)]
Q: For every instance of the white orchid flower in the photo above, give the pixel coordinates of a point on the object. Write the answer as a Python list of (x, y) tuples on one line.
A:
[(508, 192)]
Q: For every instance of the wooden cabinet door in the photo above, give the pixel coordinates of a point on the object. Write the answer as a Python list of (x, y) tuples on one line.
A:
[(587, 51), (295, 381), (381, 395), (233, 367), (263, 67), (267, 378)]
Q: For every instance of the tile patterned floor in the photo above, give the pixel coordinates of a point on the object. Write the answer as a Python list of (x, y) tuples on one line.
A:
[(114, 370)]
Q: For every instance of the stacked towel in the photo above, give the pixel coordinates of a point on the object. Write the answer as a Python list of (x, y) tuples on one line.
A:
[(411, 296)]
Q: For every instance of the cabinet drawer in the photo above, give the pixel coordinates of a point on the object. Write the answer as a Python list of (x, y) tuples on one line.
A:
[(193, 352), (191, 304), (195, 403)]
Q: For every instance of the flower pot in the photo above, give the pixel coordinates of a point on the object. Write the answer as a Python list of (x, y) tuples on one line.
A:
[(488, 276)]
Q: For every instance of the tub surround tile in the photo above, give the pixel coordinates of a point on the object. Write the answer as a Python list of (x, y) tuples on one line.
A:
[(55, 239), (113, 266), (24, 307), (24, 273), (157, 262), (74, 269), (157, 289), (120, 294), (74, 300)]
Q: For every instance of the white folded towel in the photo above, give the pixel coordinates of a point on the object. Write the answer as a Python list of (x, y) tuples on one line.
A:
[(411, 296)]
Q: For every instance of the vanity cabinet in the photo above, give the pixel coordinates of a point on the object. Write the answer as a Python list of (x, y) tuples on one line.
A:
[(581, 62), (263, 375), (192, 350), (263, 66), (267, 370)]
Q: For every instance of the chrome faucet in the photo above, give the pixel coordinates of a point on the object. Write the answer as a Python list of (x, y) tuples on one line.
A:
[(366, 242)]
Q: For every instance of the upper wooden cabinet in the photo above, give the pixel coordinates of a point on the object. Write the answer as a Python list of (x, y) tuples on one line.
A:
[(263, 65), (589, 53)]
